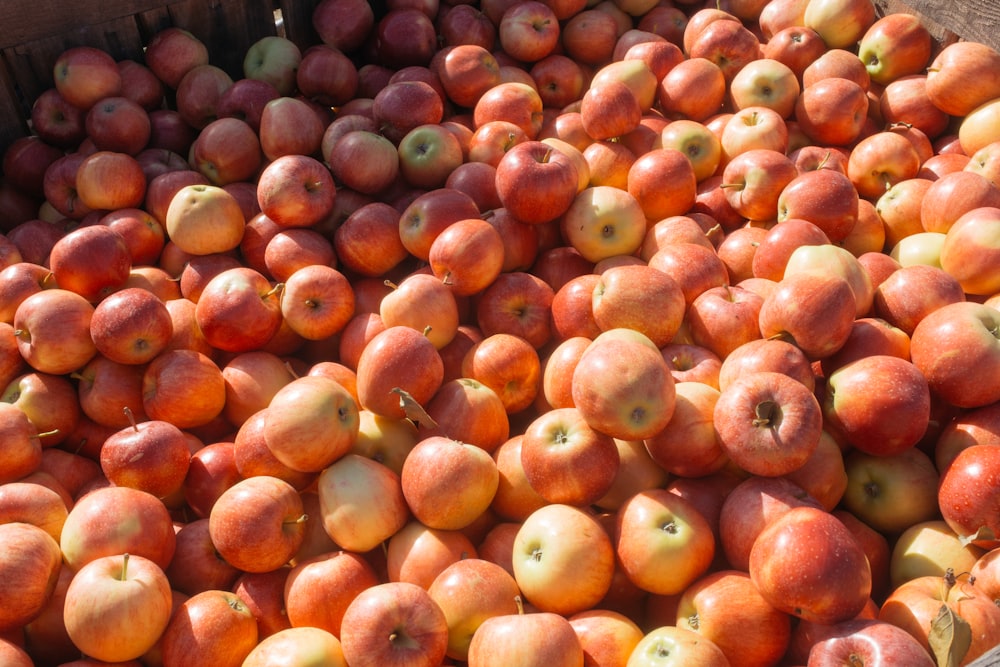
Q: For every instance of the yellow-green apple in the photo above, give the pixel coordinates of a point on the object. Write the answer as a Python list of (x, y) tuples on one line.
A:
[(671, 646), (962, 77), (915, 605), (699, 144), (302, 645), (448, 484), (565, 460), (258, 523), (152, 456), (361, 502), (832, 585), (274, 59), (968, 496), (919, 248), (856, 406), (687, 446), (311, 422), (428, 154), (563, 560), (394, 623), (418, 554), (296, 190), (622, 294), (336, 578), (813, 311), (694, 89), (876, 486), (767, 423), (215, 624), (530, 639), (604, 221), (662, 542), (227, 151), (765, 82), (753, 127), (49, 327), (386, 440), (83, 75), (31, 565), (959, 369), (624, 388), (930, 548), (469, 592), (122, 592), (841, 23), (204, 219), (725, 608), (832, 111)]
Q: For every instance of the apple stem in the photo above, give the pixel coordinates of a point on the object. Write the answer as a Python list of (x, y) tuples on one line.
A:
[(390, 284), (291, 370), (124, 567), (274, 291), (22, 334), (427, 330), (768, 414), (301, 519), (520, 605), (131, 418), (45, 434)]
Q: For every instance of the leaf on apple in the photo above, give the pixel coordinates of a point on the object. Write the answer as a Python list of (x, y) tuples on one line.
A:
[(413, 410), (982, 533), (950, 637)]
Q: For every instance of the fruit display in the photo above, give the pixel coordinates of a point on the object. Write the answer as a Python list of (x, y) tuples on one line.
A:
[(617, 333)]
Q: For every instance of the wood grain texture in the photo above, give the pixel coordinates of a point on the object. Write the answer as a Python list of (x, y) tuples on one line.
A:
[(974, 20)]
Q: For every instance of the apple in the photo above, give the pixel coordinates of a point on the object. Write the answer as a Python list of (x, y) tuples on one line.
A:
[(184, 387), (31, 564), (394, 623), (662, 542), (274, 59), (303, 645), (52, 328), (152, 456), (802, 299), (376, 226), (970, 512), (56, 121), (227, 150), (879, 161), (727, 43), (604, 221), (962, 380), (343, 24), (558, 545), (753, 127), (131, 326), (470, 412), (204, 219), (198, 93), (336, 577), (870, 640), (215, 624), (832, 111), (196, 565), (876, 483), (238, 310), (296, 191), (622, 294), (361, 502), (726, 609), (754, 179), (952, 71), (589, 36), (915, 605), (669, 645), (832, 586), (107, 391), (117, 592), (84, 74), (856, 406), (257, 523), (173, 51), (418, 554), (688, 445), (528, 32), (930, 548)]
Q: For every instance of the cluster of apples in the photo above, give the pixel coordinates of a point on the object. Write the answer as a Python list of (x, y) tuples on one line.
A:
[(632, 333)]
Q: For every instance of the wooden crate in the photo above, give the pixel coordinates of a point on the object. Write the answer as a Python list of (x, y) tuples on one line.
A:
[(35, 32)]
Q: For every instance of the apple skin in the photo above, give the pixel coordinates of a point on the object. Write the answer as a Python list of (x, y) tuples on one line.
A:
[(336, 577), (768, 423), (800, 302), (394, 623), (931, 548), (954, 349), (215, 625), (865, 395), (528, 639), (831, 586), (971, 511), (873, 641), (31, 565), (877, 486), (117, 592)]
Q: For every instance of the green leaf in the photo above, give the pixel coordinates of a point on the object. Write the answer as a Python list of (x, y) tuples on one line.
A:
[(950, 637)]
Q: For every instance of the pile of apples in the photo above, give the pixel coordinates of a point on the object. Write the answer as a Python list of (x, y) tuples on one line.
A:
[(635, 333)]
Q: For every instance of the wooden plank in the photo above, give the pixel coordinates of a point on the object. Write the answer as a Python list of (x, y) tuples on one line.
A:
[(26, 21), (973, 20)]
